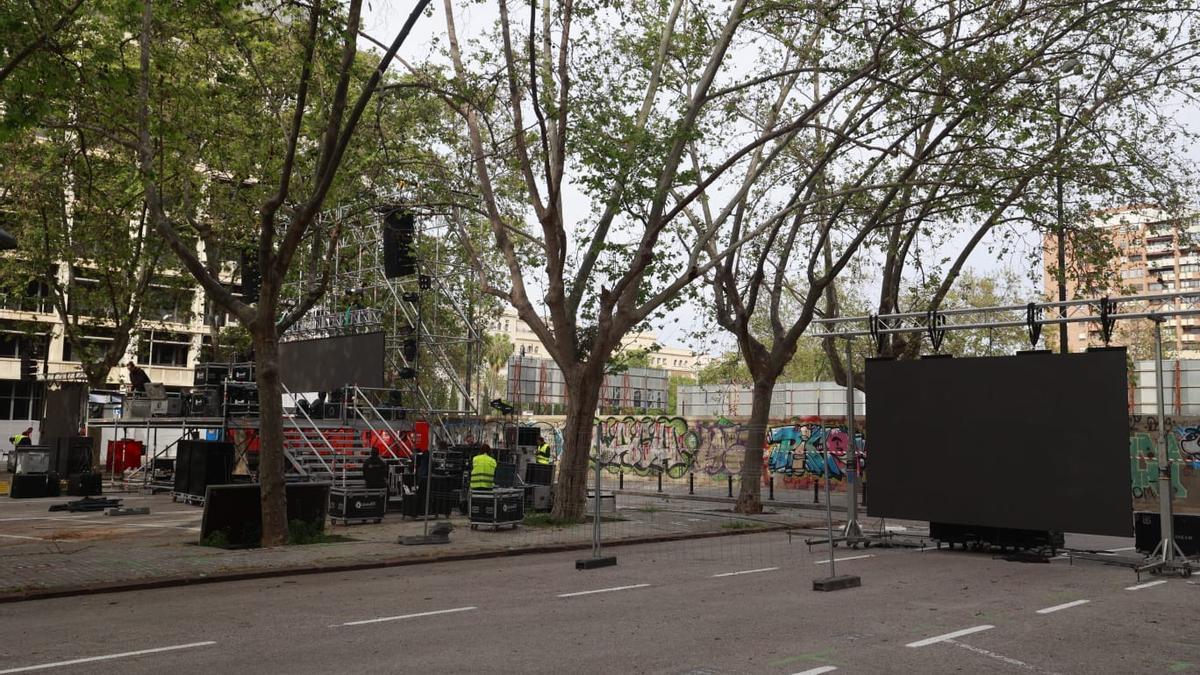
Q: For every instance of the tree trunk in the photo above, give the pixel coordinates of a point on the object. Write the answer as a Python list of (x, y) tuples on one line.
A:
[(570, 492), (750, 493), (270, 454)]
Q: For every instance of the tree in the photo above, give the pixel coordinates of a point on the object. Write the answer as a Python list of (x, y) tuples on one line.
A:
[(624, 135), (301, 180), (29, 28), (942, 134)]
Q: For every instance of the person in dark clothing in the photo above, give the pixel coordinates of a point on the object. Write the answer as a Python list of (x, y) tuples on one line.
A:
[(138, 378)]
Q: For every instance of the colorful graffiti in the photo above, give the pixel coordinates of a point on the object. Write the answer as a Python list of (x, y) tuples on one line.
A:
[(806, 451), (1183, 449)]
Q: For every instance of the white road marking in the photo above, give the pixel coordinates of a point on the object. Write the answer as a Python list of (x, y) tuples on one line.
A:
[(853, 557), (20, 536), (1065, 605), (107, 657), (817, 671), (602, 590), (408, 616), (999, 657), (734, 574), (1118, 550), (949, 636), (1148, 584)]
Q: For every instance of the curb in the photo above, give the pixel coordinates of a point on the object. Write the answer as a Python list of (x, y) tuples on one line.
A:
[(170, 582)]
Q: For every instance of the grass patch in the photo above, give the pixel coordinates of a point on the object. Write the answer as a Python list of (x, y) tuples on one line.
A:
[(741, 525), (216, 539), (545, 520), (302, 533)]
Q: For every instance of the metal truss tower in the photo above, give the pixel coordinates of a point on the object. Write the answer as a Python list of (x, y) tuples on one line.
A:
[(429, 318)]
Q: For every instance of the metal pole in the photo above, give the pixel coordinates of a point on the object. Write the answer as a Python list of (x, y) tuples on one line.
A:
[(1060, 225), (829, 514), (852, 530), (596, 500), (1166, 517)]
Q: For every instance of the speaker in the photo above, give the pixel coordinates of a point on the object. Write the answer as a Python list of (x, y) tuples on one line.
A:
[(28, 486), (399, 230), (251, 277), (199, 464), (1147, 532), (72, 454), (84, 484)]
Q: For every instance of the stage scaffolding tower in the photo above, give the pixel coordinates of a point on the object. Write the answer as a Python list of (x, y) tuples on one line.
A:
[(430, 310), (1099, 314)]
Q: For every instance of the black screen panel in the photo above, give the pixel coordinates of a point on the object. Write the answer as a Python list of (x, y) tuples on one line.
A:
[(1037, 441), (332, 363)]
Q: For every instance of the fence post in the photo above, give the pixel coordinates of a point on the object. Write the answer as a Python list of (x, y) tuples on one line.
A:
[(730, 485), (771, 487), (691, 483), (621, 479), (816, 492), (660, 480)]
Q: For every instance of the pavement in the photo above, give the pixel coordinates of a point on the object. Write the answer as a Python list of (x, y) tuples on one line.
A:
[(46, 554), (697, 607)]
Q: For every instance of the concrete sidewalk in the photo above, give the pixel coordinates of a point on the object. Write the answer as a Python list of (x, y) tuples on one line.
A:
[(50, 554)]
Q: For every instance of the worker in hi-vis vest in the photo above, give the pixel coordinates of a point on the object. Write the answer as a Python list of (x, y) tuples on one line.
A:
[(483, 471), (543, 451)]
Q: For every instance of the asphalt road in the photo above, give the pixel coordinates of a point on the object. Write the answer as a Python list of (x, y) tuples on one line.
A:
[(710, 608)]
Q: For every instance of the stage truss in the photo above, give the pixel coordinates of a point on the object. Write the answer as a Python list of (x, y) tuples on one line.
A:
[(429, 310), (1102, 314)]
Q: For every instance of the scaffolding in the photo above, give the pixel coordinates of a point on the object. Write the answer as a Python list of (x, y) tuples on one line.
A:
[(428, 317)]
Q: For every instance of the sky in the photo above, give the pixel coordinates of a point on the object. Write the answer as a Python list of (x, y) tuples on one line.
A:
[(383, 19)]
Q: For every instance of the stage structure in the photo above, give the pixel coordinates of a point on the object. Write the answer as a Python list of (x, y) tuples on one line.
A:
[(399, 271), (1100, 315)]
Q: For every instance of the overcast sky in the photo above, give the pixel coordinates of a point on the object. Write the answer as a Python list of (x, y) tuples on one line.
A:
[(383, 19)]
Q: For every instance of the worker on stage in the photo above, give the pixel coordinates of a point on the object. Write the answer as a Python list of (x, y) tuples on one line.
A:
[(544, 453), (483, 471)]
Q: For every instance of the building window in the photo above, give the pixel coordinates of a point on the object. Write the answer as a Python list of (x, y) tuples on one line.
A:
[(159, 348), (20, 400), (36, 298), (94, 340)]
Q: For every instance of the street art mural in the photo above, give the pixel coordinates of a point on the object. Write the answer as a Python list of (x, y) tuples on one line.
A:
[(805, 451), (1183, 449), (800, 452), (676, 447)]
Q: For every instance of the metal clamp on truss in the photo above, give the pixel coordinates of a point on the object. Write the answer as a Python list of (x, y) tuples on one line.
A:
[(1033, 321), (1108, 318), (934, 327)]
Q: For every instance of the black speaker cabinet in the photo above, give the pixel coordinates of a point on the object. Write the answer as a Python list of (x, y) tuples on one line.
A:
[(84, 484), (199, 464), (72, 454), (28, 486), (399, 230), (1147, 532)]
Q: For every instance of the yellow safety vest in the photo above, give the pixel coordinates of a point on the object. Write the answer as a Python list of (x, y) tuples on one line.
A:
[(18, 439), (483, 472), (543, 453)]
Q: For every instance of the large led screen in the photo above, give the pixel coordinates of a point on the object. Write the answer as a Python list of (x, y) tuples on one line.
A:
[(1033, 441), (332, 363)]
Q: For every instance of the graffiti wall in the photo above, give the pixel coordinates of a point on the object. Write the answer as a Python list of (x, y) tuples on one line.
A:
[(797, 452), (800, 452), (1183, 447)]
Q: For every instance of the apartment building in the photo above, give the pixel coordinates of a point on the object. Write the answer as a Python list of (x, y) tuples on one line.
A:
[(673, 359), (1155, 253), (172, 338)]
